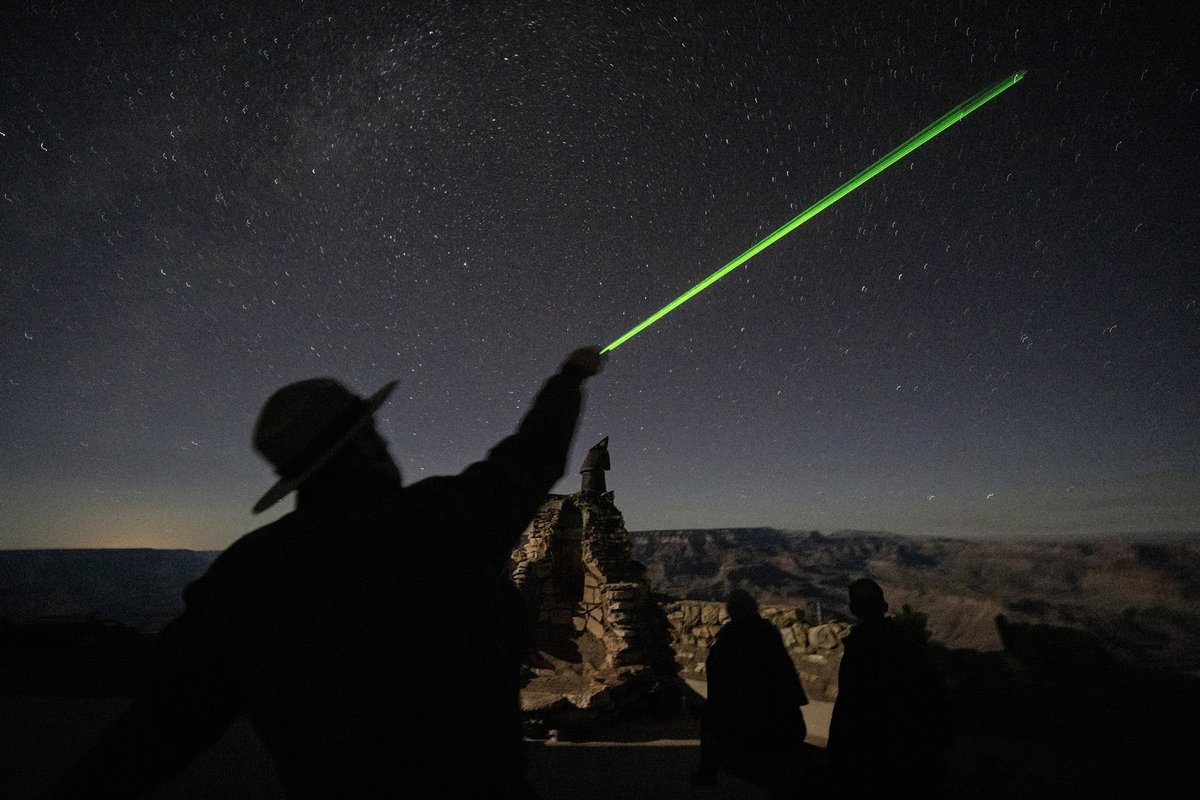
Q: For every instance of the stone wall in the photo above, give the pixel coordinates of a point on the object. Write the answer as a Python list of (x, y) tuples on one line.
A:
[(577, 573), (549, 566), (599, 641), (816, 650), (615, 591), (602, 641)]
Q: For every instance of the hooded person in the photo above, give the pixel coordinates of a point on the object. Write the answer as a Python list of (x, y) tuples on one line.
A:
[(364, 634), (752, 725)]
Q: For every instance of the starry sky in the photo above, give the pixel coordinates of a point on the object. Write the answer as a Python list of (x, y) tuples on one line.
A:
[(999, 336)]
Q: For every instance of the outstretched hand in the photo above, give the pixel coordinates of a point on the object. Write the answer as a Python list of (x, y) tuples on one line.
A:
[(586, 360)]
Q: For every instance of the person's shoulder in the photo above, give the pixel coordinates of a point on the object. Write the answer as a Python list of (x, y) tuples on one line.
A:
[(445, 500), (900, 639), (434, 490), (258, 542), (432, 484), (239, 562), (864, 635), (764, 629), (739, 634)]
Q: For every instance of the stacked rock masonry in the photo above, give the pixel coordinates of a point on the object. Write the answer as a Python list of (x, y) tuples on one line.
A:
[(576, 571), (589, 602), (816, 650)]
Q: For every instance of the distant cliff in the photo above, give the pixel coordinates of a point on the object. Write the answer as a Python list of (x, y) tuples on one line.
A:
[(138, 587), (1141, 599)]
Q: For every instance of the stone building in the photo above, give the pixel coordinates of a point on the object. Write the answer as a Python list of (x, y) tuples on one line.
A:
[(577, 574), (589, 602)]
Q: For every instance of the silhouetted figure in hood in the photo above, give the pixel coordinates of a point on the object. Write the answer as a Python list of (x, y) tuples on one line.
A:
[(752, 721), (365, 635), (890, 727)]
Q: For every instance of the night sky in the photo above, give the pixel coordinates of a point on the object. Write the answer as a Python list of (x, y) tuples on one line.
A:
[(998, 336)]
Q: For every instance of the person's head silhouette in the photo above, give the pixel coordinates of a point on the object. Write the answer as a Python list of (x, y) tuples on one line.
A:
[(866, 599), (319, 426), (741, 605)]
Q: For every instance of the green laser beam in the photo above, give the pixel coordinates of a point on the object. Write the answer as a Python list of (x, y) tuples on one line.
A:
[(945, 121)]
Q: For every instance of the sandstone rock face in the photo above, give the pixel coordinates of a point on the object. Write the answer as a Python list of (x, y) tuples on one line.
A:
[(816, 650)]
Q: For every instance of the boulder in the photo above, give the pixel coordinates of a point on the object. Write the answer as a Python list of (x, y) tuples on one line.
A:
[(824, 637)]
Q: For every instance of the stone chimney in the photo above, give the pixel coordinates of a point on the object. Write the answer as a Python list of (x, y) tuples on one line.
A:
[(594, 466), (585, 594)]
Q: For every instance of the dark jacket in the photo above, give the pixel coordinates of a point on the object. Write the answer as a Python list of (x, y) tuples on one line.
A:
[(890, 725), (363, 635), (754, 693)]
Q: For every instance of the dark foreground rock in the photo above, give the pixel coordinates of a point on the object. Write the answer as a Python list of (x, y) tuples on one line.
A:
[(40, 737)]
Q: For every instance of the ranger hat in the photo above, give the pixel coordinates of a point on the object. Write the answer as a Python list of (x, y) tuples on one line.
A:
[(303, 424)]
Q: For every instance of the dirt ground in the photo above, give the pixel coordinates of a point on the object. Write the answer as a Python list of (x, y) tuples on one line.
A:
[(40, 737)]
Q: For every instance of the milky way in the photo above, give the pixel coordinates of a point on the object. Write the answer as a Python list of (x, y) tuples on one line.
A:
[(999, 335)]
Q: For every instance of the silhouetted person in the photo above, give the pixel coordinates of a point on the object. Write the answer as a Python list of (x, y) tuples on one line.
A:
[(890, 727), (365, 635), (752, 726)]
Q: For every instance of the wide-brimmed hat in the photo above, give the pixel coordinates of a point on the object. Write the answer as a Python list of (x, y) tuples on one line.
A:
[(303, 424)]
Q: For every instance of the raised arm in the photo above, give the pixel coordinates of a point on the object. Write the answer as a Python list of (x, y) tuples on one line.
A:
[(500, 494), (529, 462)]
